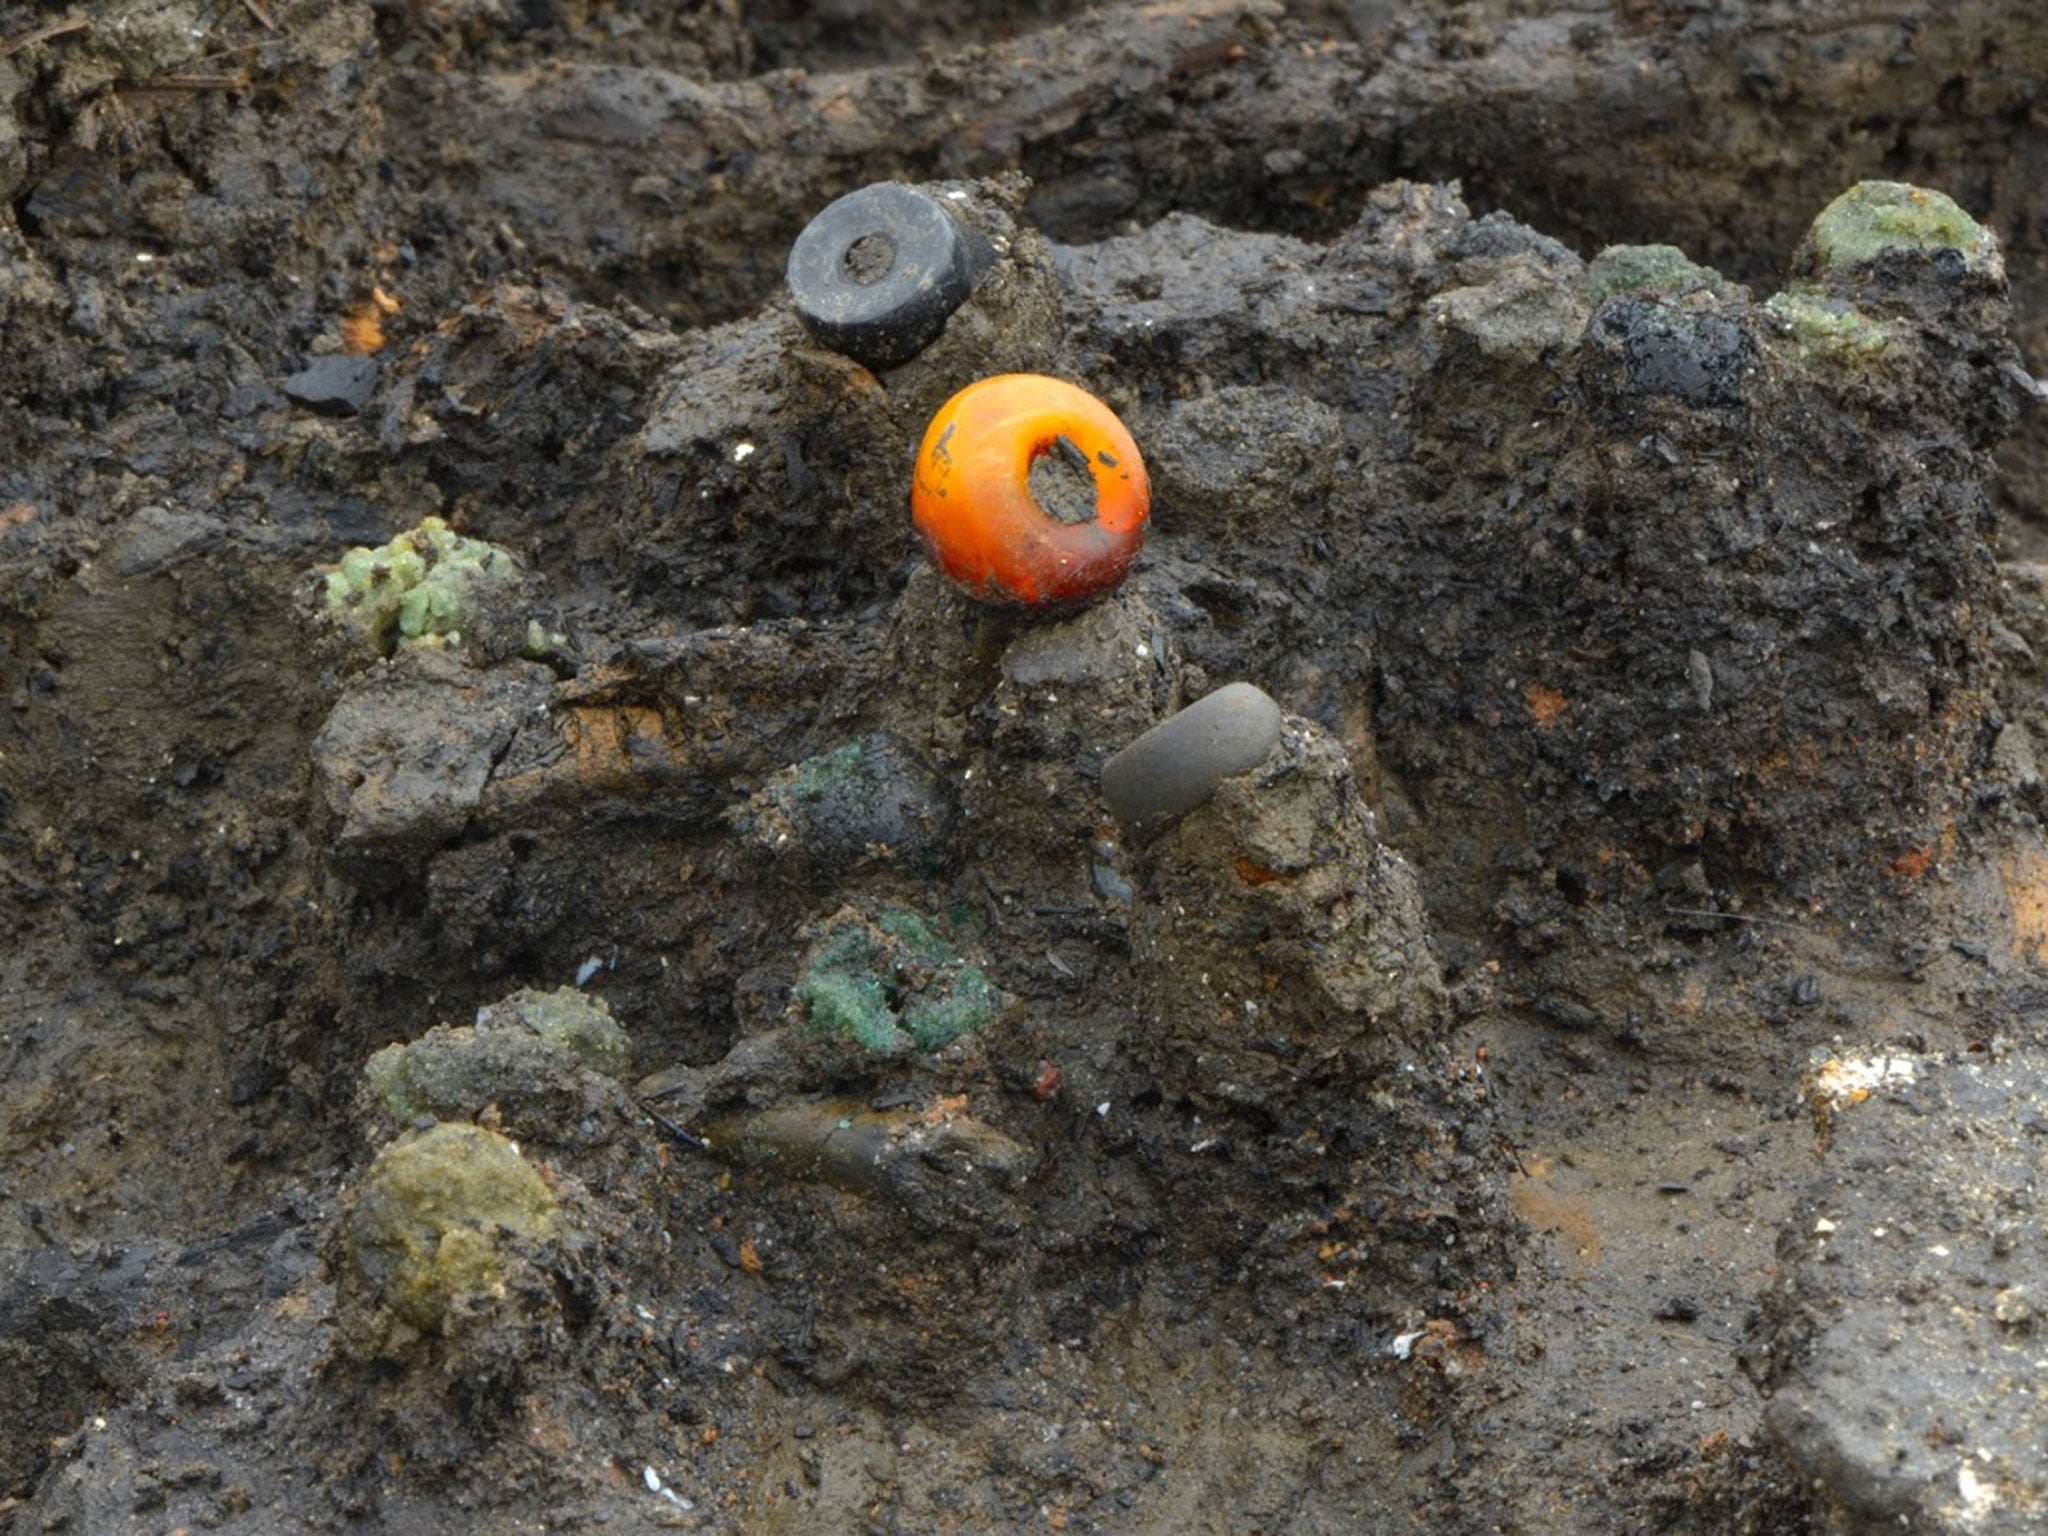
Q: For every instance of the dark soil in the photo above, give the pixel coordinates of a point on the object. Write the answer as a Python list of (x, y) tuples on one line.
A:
[(1427, 1133)]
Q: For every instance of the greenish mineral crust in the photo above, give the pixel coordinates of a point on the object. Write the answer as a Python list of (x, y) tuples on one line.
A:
[(815, 775), (1873, 217), (395, 1075), (891, 986), (916, 935), (961, 1009), (541, 642), (515, 1056), (869, 800), (842, 994), (428, 1235), (421, 587), (1828, 329), (1651, 268), (571, 1021)]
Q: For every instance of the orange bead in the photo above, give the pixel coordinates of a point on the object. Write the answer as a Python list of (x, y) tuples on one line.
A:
[(971, 495)]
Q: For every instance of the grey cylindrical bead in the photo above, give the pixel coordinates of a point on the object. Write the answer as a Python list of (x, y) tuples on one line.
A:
[(1177, 764)]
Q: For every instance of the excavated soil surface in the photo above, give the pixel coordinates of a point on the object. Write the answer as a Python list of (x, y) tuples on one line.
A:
[(1584, 1079)]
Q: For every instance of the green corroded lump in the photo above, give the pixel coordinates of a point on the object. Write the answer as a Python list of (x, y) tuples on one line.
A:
[(1829, 327), (569, 1019), (422, 586), (1651, 268), (891, 986), (517, 1049), (432, 1220), (1873, 217), (1177, 764)]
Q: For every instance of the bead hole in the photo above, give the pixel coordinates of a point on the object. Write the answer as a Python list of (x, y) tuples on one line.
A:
[(1062, 483), (869, 258)]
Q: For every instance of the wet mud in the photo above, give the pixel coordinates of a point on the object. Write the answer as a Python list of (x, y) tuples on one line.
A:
[(560, 975)]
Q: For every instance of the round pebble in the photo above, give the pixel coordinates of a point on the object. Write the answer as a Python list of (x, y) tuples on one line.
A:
[(1177, 764), (876, 274)]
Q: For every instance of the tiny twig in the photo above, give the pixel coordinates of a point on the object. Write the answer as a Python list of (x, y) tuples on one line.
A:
[(257, 9), (694, 1142), (228, 53), (1514, 1150), (55, 29)]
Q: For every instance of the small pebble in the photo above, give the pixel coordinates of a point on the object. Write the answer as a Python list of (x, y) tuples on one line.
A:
[(1108, 884), (334, 385), (1177, 764)]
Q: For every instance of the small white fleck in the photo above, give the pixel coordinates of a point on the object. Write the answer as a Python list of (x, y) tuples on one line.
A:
[(1144, 650), (651, 1478), (1938, 1251), (1978, 1501), (1823, 1225), (1403, 1343), (956, 197), (741, 452), (143, 258), (1102, 1108), (588, 969)]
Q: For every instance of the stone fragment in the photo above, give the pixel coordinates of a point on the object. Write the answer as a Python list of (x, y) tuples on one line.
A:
[(1901, 1347), (1177, 764), (333, 385), (872, 799)]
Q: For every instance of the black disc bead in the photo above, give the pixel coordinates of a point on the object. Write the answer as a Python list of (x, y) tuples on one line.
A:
[(877, 272)]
